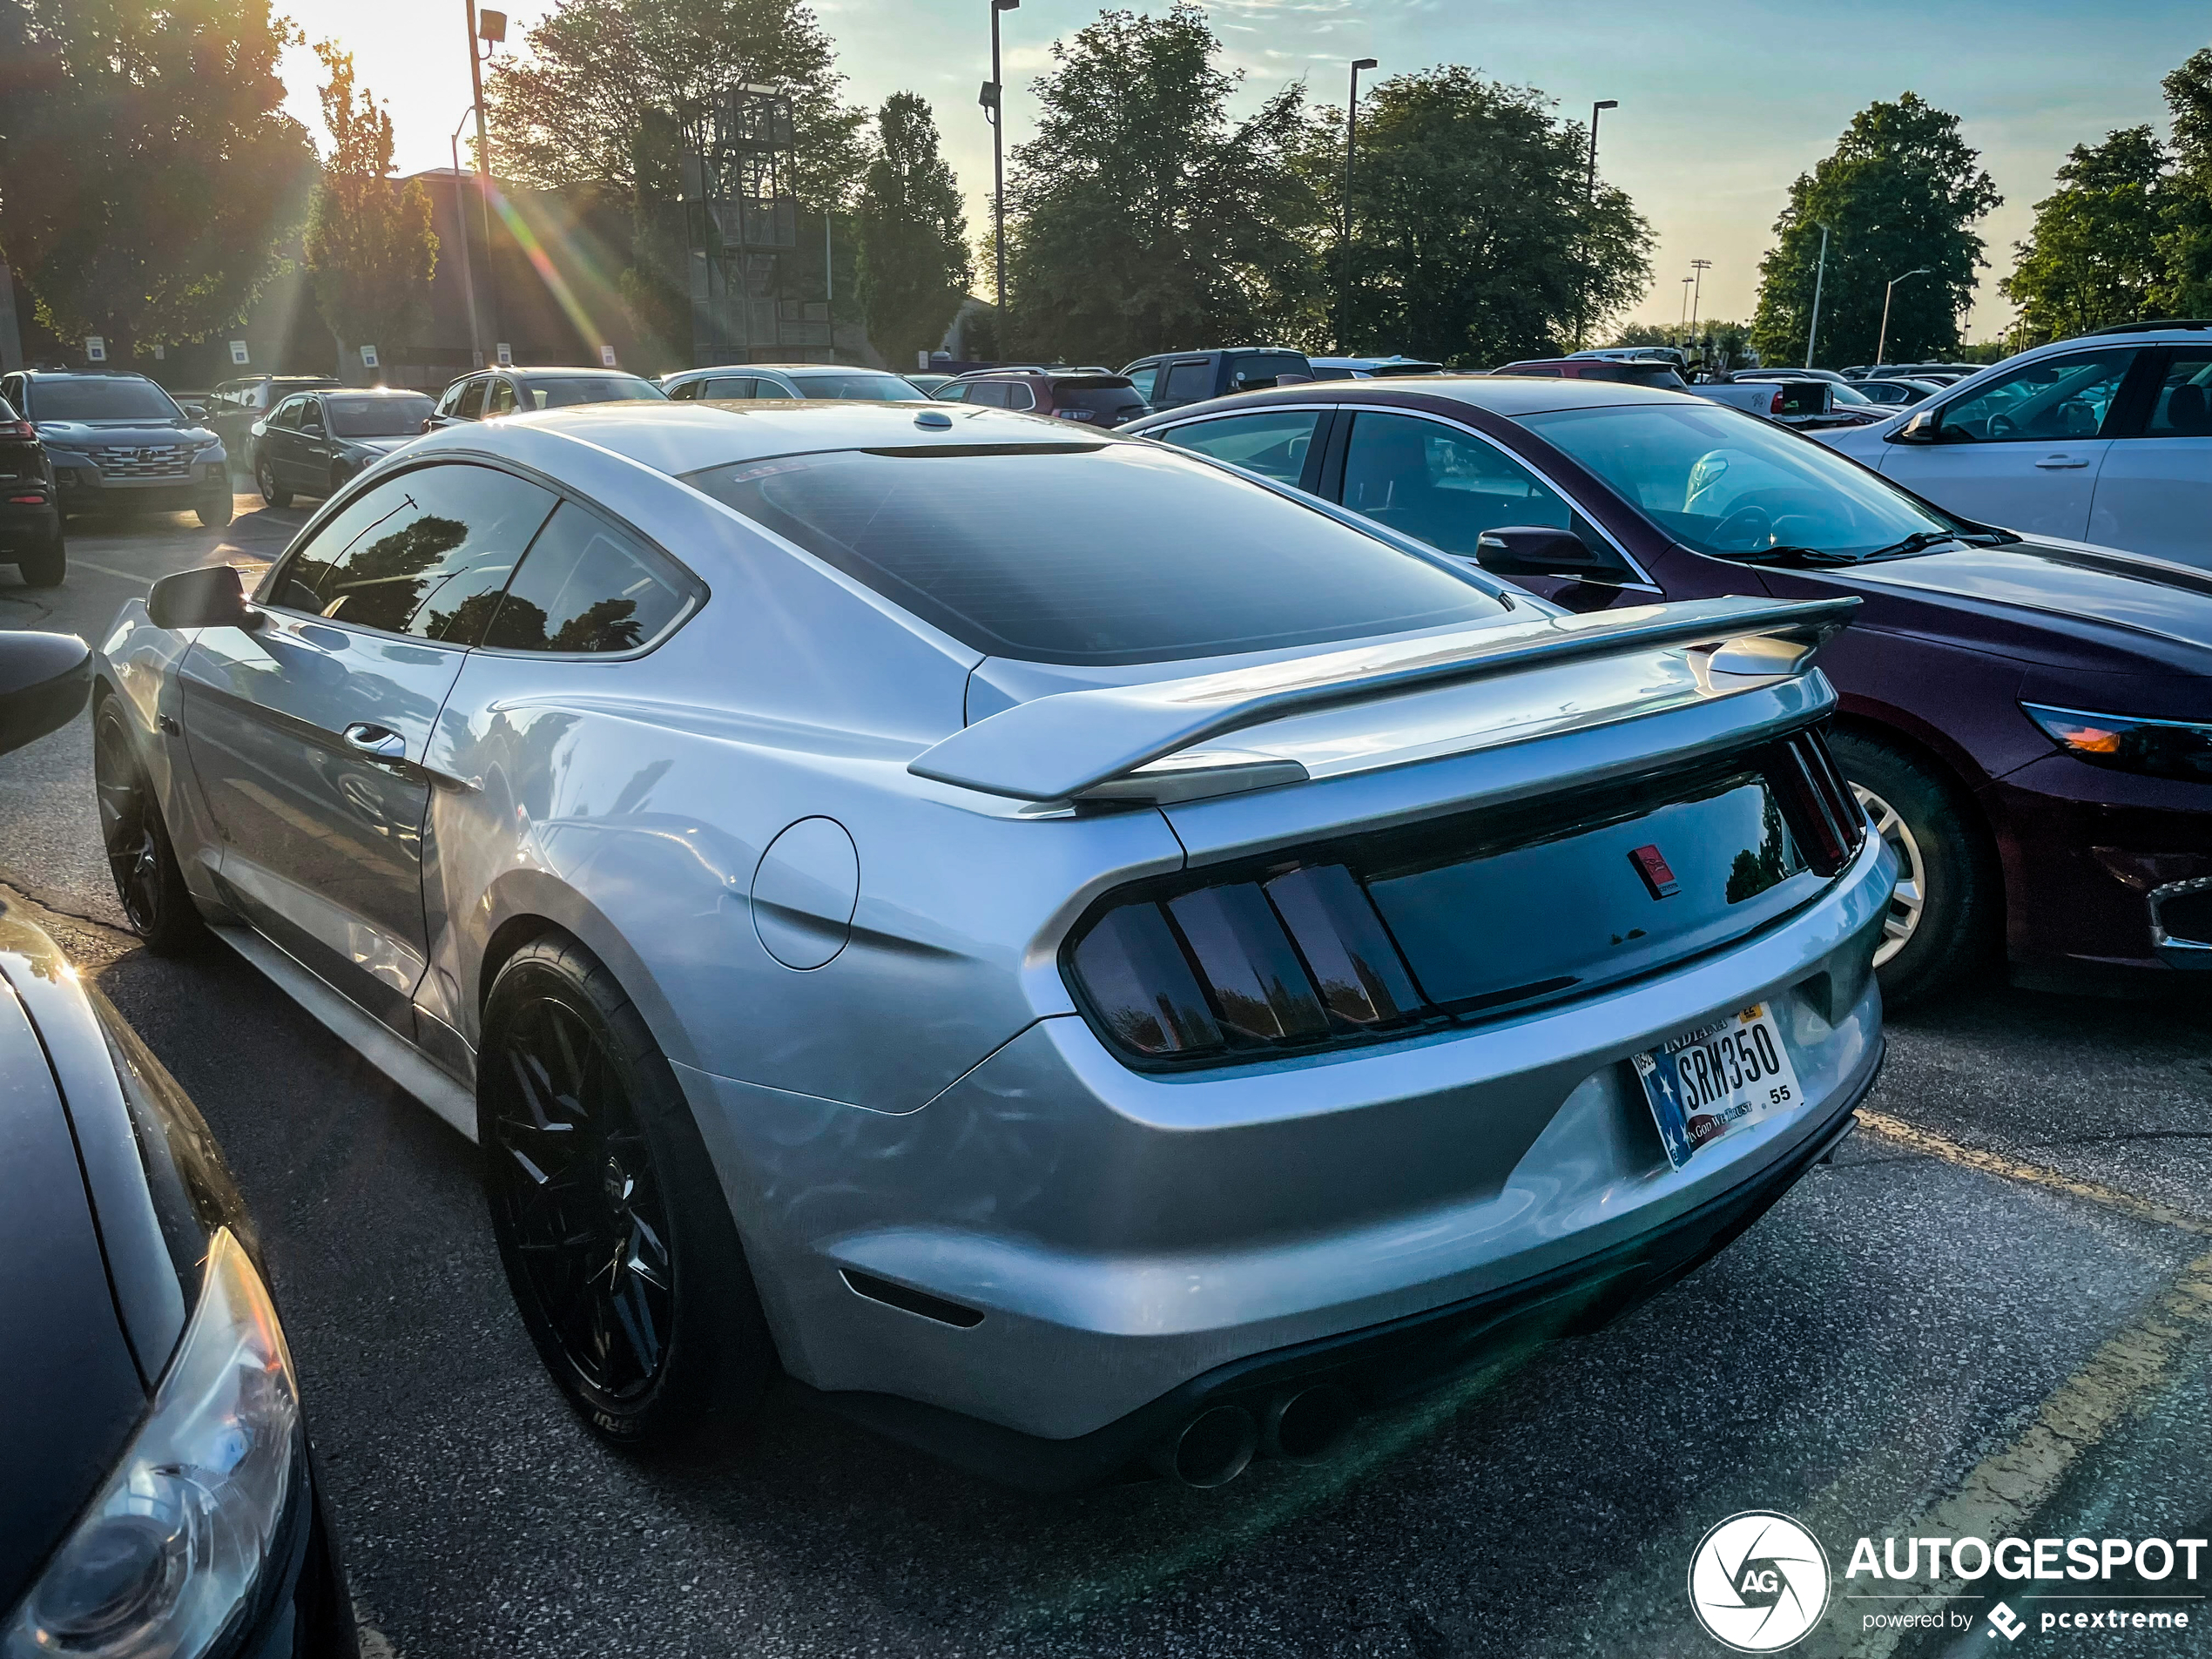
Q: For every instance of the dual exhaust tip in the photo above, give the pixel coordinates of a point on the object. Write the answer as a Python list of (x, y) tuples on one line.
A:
[(1303, 1426)]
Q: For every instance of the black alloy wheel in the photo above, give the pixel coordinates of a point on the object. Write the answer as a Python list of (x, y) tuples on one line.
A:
[(618, 1246), (149, 883)]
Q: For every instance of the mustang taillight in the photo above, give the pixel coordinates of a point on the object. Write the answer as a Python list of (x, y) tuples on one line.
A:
[(1825, 817), (1293, 961)]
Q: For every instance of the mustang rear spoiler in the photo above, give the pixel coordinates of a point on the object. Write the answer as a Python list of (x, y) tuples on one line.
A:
[(1089, 742)]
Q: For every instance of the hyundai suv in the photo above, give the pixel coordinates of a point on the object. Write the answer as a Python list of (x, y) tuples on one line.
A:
[(118, 443)]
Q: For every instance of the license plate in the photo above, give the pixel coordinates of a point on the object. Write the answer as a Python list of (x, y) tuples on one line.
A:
[(1711, 1082)]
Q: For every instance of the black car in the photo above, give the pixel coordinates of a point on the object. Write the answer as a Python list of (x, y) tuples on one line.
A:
[(491, 392), (2028, 722), (30, 523), (118, 443), (162, 1495), (313, 442), (1094, 398), (234, 406), (1174, 378)]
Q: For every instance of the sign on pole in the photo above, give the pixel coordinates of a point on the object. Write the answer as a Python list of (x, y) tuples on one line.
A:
[(368, 357), (607, 356), (506, 355), (95, 349), (238, 353), (161, 353)]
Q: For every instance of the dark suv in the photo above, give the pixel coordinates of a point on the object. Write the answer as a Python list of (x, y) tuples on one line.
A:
[(1094, 399), (118, 443), (489, 393), (1173, 379), (1640, 372), (31, 525)]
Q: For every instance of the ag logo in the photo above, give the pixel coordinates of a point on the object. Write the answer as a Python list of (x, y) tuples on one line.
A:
[(1758, 1581)]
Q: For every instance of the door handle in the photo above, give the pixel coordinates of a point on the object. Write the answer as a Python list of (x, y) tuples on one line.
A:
[(2057, 463), (378, 741)]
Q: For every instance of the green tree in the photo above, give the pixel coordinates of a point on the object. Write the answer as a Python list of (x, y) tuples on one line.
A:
[(1141, 217), (147, 175), (1901, 191), (914, 267), (2094, 257), (1475, 238), (369, 246), (2186, 245)]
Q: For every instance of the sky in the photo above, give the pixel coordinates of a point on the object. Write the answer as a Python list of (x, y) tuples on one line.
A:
[(1720, 108)]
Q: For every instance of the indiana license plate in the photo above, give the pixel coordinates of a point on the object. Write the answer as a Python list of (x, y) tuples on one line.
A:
[(1711, 1082)]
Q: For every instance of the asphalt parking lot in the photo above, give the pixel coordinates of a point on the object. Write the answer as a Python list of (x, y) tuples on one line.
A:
[(1993, 1312)]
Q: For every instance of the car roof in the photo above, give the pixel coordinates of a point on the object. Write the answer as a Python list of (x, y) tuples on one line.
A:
[(1507, 394), (85, 374), (368, 391)]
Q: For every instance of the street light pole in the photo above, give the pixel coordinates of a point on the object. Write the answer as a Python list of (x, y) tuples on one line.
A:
[(1682, 326), (1698, 267), (994, 105), (460, 224), (1350, 141), (1819, 274), (1589, 205), (493, 27), (1882, 339)]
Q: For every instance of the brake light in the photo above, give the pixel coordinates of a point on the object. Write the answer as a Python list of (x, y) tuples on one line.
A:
[(1776, 407), (1825, 817), (22, 429)]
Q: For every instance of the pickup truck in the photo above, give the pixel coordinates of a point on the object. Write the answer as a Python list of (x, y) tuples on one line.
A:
[(1172, 378)]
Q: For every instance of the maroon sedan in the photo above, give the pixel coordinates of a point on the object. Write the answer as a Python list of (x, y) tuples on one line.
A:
[(2028, 721)]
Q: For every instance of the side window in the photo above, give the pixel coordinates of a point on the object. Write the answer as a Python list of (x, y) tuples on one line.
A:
[(587, 587), (685, 393), (426, 553), (771, 389), (1143, 377), (471, 406), (1274, 442), (450, 399), (1443, 485), (955, 392), (287, 414), (731, 387), (2183, 406), (2053, 398), (500, 400), (1020, 396), (990, 392), (308, 415), (1188, 382)]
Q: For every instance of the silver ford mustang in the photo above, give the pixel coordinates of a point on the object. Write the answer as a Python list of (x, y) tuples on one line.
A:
[(1082, 958)]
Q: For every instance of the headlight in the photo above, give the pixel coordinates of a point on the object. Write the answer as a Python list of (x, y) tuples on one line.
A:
[(203, 440), (175, 1544), (2129, 743)]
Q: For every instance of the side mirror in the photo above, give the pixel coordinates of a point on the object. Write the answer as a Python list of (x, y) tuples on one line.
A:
[(1921, 429), (1539, 549), (44, 680), (211, 597), (429, 423), (194, 408)]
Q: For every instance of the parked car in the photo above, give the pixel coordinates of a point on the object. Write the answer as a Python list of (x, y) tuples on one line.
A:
[(30, 519), (118, 443), (1173, 379), (930, 384), (2029, 720), (1674, 354), (1370, 369), (1095, 400), (1808, 403), (163, 1498), (491, 392), (1942, 372), (234, 406), (1895, 392), (861, 930), (1618, 371), (312, 442), (743, 381), (2105, 438)]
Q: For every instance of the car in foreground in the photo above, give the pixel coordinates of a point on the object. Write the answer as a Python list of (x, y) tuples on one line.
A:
[(163, 1497), (2105, 438), (1176, 378), (490, 394), (118, 443), (1082, 1002), (30, 518), (1094, 398), (2028, 719), (742, 381), (313, 442)]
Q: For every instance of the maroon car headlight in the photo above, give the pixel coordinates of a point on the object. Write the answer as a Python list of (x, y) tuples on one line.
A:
[(2130, 743)]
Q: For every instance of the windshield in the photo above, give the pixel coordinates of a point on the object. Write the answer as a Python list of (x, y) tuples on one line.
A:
[(1724, 482), (867, 387), (589, 388), (1089, 553), (100, 400), (376, 417)]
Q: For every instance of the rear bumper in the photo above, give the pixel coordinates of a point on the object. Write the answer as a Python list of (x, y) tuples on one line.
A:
[(28, 524)]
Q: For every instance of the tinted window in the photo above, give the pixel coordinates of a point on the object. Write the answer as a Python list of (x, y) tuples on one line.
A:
[(287, 415), (870, 388), (1275, 442), (2055, 397), (99, 399), (308, 415), (730, 387), (1442, 485), (1111, 401), (586, 586), (471, 406), (1263, 369), (993, 392), (955, 392), (1020, 395), (2184, 408), (1142, 379), (1120, 553), (375, 417), (500, 400), (1188, 382), (686, 392), (566, 391), (426, 553)]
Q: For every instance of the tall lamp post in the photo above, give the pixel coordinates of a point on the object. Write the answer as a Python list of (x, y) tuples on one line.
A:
[(1351, 142), (1819, 274), (1697, 268), (490, 28), (1882, 339), (1589, 205), (460, 223), (994, 102), (1682, 326)]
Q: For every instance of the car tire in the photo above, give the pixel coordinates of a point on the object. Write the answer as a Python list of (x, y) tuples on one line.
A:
[(149, 882), (1945, 915), (619, 1245), (217, 510), (48, 566), (266, 481)]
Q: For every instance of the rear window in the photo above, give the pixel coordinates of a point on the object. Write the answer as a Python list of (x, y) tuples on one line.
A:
[(99, 399), (1658, 374), (1257, 370), (868, 388), (1093, 554), (588, 388), (1101, 394), (376, 417)]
